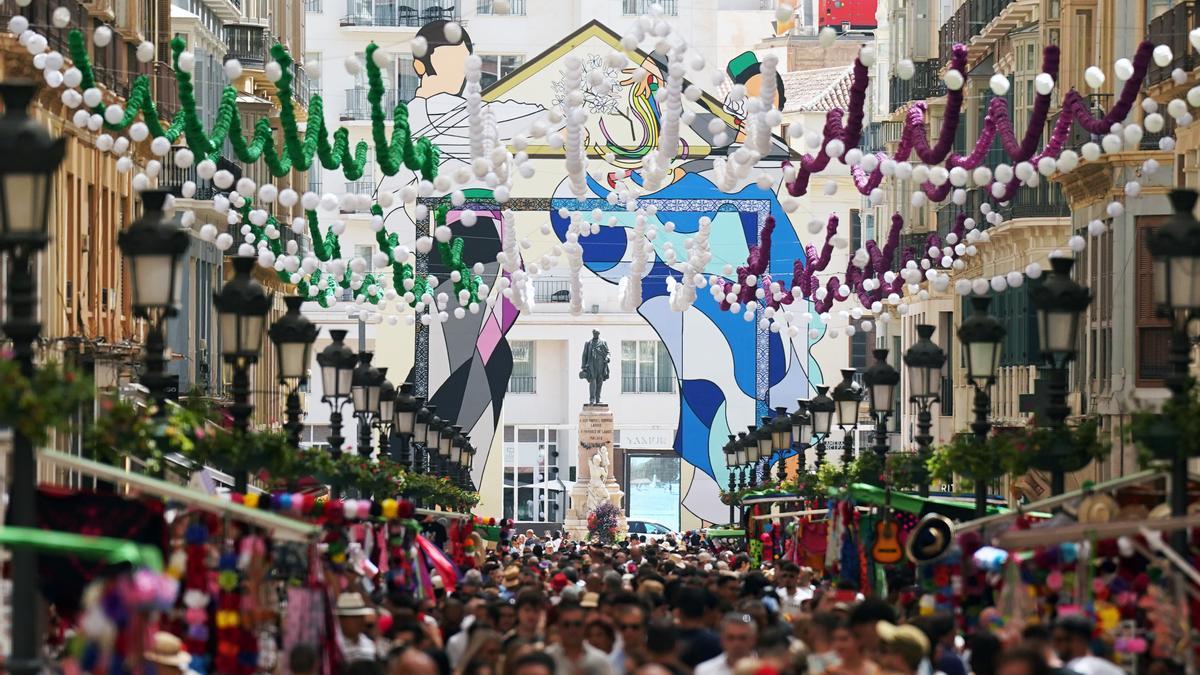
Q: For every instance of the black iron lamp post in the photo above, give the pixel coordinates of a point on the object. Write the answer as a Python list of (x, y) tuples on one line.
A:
[(802, 434), (924, 361), (404, 420), (822, 409), (364, 391), (781, 439), (29, 158), (1060, 302), (433, 441), (469, 461), (445, 445), (1175, 248), (731, 462), (154, 248), (982, 336), (420, 431), (882, 382), (387, 413), (749, 441), (337, 363), (742, 458), (847, 397), (293, 335), (763, 448), (242, 305), (456, 458)]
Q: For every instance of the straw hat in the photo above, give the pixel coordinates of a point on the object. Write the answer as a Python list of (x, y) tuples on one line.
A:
[(590, 600), (351, 604), (512, 576), (1098, 509), (167, 650)]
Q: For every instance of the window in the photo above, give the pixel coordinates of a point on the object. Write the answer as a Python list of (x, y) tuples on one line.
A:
[(646, 368), (365, 185), (515, 8), (532, 489), (856, 240), (366, 252), (497, 67), (653, 492), (1153, 332), (312, 59), (524, 373), (639, 7), (312, 5), (406, 78)]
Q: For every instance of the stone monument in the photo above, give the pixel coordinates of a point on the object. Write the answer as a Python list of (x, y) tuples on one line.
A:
[(595, 480)]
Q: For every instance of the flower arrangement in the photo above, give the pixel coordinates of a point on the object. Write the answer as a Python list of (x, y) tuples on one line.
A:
[(602, 523), (47, 401)]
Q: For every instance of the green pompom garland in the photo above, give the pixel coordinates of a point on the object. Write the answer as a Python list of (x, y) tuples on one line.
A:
[(420, 156)]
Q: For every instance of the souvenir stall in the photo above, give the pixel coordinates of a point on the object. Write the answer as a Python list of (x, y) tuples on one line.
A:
[(246, 576)]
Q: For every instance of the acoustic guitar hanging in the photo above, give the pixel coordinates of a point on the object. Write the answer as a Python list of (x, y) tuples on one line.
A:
[(887, 550)]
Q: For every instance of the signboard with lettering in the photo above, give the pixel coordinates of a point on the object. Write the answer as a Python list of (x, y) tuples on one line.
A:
[(646, 439)]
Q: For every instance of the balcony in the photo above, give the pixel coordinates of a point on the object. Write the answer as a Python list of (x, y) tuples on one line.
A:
[(1079, 135), (247, 44), (388, 15), (1044, 201), (174, 177), (359, 108), (522, 384), (924, 84), (1171, 28), (552, 291)]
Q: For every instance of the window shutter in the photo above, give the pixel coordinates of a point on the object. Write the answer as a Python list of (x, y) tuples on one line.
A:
[(1144, 310)]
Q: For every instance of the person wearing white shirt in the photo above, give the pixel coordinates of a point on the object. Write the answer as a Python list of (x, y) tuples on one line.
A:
[(1072, 641), (352, 637), (738, 636)]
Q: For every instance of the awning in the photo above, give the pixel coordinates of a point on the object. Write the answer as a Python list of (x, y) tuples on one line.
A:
[(908, 503)]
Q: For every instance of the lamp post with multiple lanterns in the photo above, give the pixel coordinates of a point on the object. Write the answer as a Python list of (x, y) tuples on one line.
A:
[(822, 408), (924, 361), (981, 335)]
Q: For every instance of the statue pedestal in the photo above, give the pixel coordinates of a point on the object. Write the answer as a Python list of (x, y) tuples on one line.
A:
[(595, 431)]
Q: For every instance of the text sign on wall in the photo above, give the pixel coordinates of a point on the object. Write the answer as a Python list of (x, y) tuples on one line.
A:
[(646, 439)]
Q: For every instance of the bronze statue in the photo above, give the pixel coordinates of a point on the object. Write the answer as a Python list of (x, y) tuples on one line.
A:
[(595, 366)]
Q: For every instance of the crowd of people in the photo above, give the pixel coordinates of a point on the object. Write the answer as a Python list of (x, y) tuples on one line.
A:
[(549, 607)]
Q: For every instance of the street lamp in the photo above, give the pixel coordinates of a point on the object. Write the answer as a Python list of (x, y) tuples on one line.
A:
[(1060, 302), (781, 438), (420, 430), (387, 413), (739, 446), (29, 157), (765, 447), (731, 462), (882, 382), (364, 392), (750, 443), (801, 432), (154, 248), (337, 362), (1175, 248), (242, 305), (293, 335), (982, 336), (847, 397), (822, 408), (924, 361), (404, 420), (433, 440)]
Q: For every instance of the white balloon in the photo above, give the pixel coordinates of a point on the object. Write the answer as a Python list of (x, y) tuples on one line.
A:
[(905, 69), (827, 37), (1094, 77), (999, 84), (1163, 56), (1043, 83), (1123, 69)]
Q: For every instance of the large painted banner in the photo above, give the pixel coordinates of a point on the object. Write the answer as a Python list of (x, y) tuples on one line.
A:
[(729, 370)]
